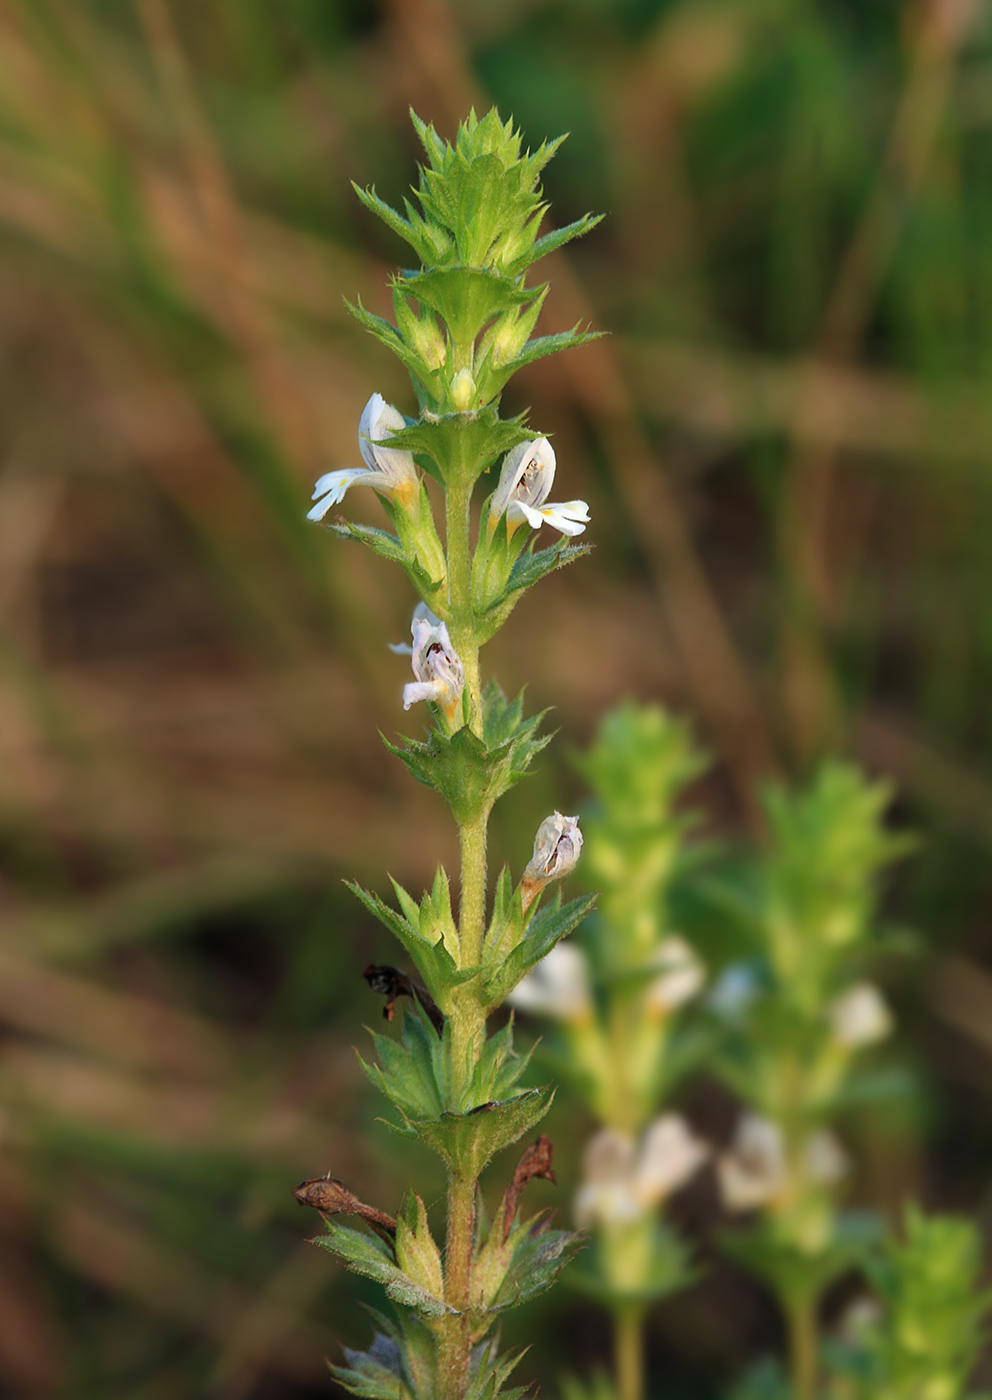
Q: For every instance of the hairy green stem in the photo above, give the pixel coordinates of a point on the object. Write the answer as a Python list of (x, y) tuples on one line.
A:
[(458, 521), (628, 1352), (468, 1021)]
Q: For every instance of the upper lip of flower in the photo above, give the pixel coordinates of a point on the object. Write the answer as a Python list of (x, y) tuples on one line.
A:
[(525, 482), (386, 468), (527, 475)]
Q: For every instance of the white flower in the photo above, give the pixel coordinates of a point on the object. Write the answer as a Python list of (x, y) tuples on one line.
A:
[(733, 992), (525, 482), (436, 665), (670, 1154), (558, 986), (860, 1016), (681, 974), (623, 1181), (755, 1173), (386, 468)]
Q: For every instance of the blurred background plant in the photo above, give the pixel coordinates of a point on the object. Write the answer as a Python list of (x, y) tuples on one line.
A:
[(613, 995), (784, 445), (798, 1017)]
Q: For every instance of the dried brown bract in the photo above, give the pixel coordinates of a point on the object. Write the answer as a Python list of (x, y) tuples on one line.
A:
[(536, 1161), (332, 1197)]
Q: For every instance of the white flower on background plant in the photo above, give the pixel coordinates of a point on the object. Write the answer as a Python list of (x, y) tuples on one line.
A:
[(386, 468), (860, 1016), (755, 1173), (733, 992), (525, 482), (558, 986), (681, 975), (623, 1180), (436, 665)]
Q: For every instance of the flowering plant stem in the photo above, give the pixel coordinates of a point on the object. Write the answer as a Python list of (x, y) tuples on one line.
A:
[(463, 326), (468, 1032)]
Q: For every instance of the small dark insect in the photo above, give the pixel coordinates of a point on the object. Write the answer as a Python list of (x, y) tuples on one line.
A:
[(390, 983)]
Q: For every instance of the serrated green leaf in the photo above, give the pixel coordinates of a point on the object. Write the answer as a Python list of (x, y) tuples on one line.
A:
[(379, 541), (540, 936), (416, 1253), (467, 1141), (384, 331), (551, 242), (372, 1257), (435, 964), (529, 569), (506, 924), (509, 1272)]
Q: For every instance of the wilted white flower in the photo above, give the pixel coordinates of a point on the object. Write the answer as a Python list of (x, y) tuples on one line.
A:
[(558, 986), (556, 851), (755, 1172), (556, 848), (386, 468), (733, 992), (436, 665), (681, 974), (623, 1180), (860, 1016), (525, 482)]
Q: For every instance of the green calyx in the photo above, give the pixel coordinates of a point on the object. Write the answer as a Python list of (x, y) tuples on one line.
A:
[(472, 772)]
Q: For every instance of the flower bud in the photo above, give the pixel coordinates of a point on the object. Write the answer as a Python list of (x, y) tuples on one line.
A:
[(421, 333), (463, 391), (429, 343), (556, 852), (509, 338)]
